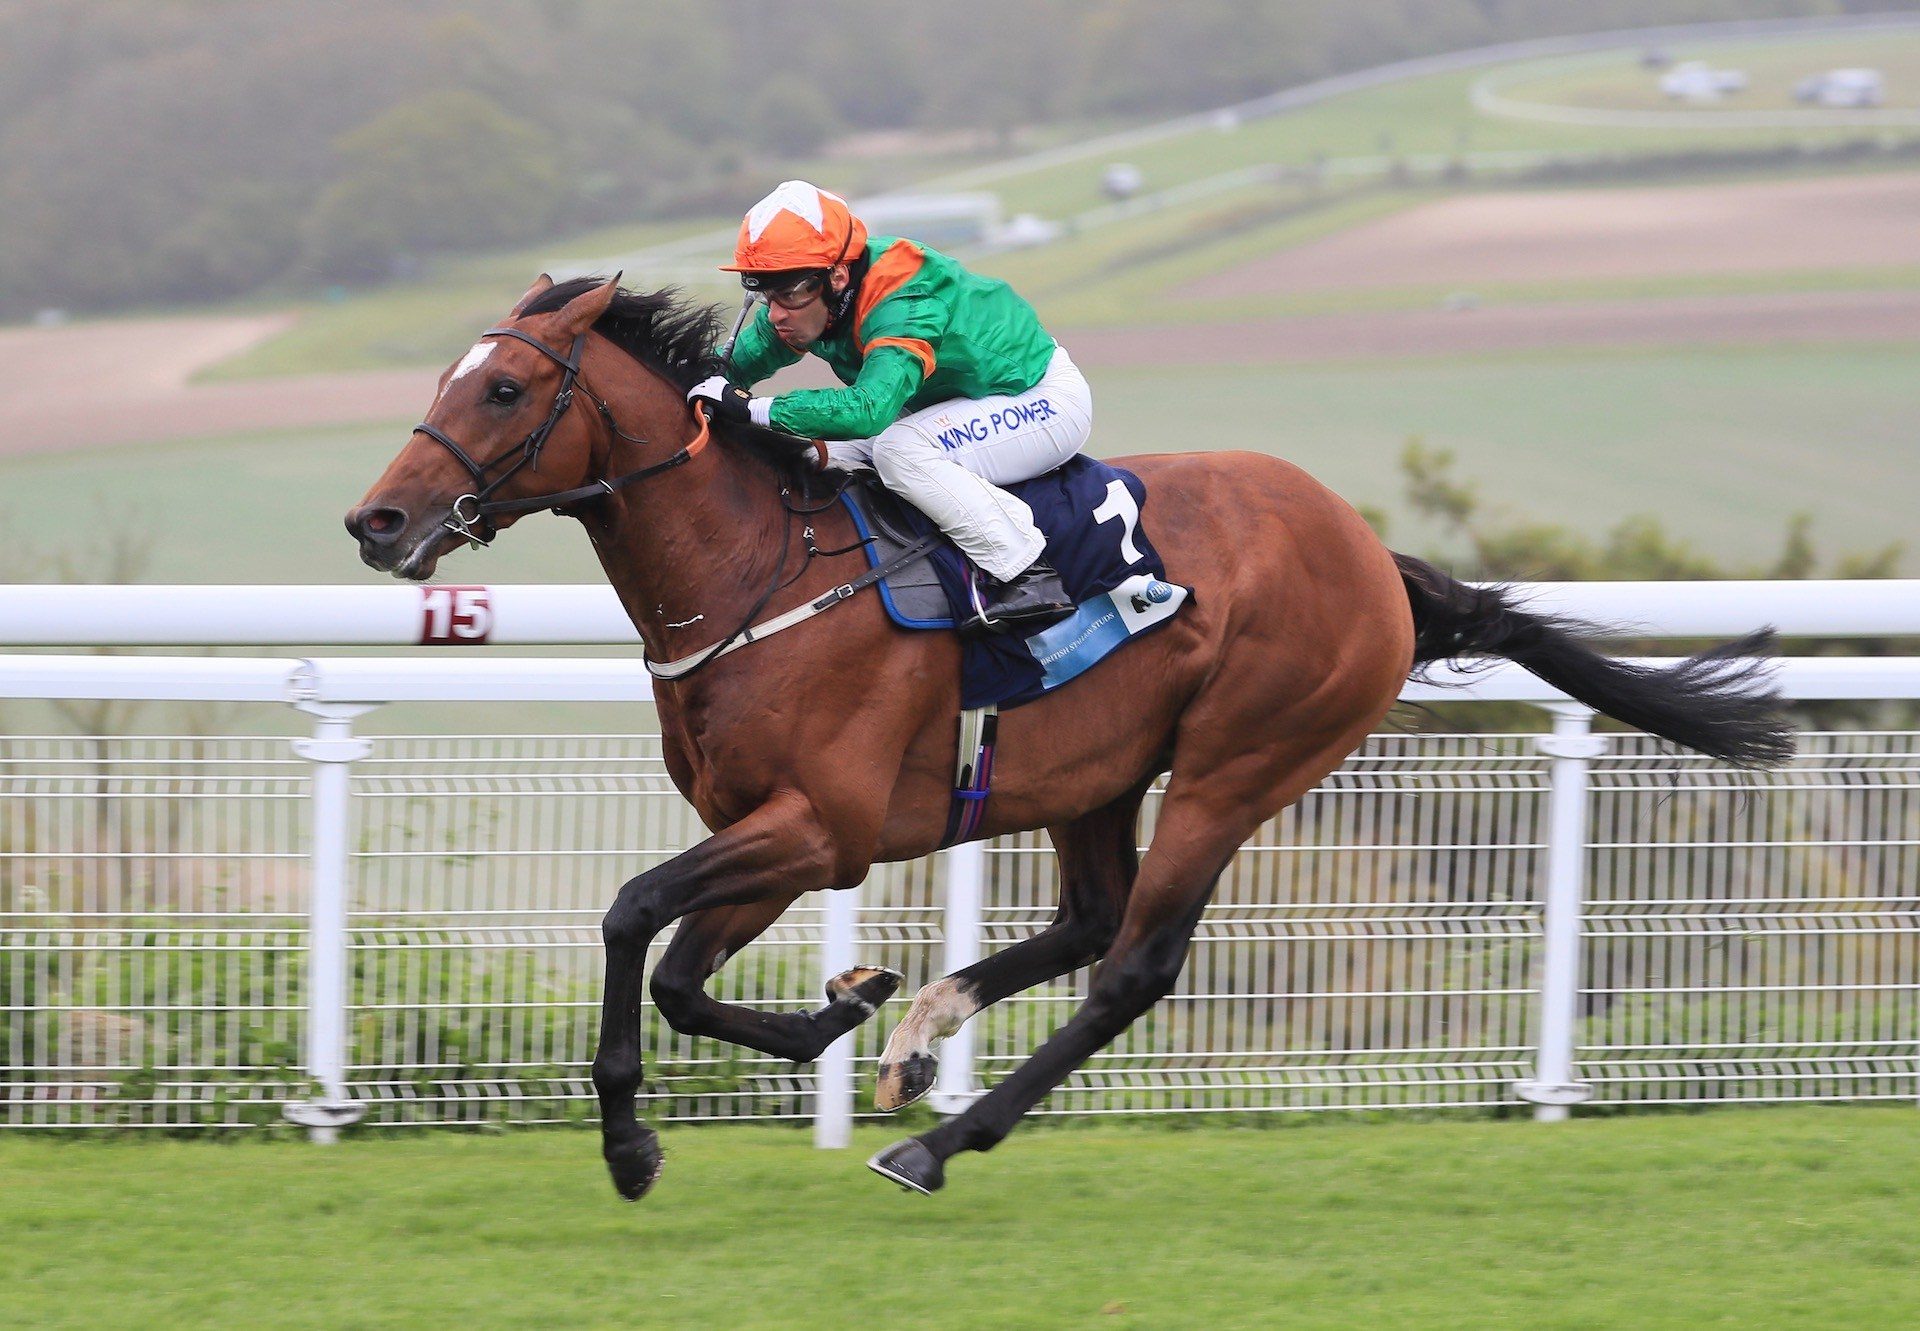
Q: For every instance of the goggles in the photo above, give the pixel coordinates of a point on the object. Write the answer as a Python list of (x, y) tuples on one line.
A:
[(784, 289)]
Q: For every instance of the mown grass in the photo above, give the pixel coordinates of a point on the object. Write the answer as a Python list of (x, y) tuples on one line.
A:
[(1128, 274), (1652, 287), (1133, 274), (1798, 1218), (261, 507)]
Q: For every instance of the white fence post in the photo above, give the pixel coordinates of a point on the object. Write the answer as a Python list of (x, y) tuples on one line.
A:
[(1572, 745), (966, 883), (833, 1074), (332, 750)]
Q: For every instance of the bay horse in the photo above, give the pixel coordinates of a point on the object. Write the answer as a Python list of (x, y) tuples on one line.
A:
[(812, 756)]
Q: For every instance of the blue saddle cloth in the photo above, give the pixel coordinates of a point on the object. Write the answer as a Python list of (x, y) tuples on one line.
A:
[(1090, 515)]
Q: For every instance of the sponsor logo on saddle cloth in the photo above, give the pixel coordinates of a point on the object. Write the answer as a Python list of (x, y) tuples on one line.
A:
[(1101, 624)]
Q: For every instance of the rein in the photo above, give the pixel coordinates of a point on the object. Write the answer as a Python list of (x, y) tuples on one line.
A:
[(477, 525)]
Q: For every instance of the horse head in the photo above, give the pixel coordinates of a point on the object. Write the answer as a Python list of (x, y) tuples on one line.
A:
[(499, 440)]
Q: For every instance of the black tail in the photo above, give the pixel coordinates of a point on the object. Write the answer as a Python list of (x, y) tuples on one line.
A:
[(1716, 702)]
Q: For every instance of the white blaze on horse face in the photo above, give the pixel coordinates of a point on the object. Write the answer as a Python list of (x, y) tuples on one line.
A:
[(475, 357)]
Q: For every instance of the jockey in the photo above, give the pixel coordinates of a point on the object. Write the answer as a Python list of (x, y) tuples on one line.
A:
[(953, 388)]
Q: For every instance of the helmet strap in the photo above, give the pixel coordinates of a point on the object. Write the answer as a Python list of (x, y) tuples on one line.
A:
[(840, 307)]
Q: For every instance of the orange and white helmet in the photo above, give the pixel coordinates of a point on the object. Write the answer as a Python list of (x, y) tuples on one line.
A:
[(797, 226)]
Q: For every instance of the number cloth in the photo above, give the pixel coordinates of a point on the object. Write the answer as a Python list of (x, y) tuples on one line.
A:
[(1090, 513)]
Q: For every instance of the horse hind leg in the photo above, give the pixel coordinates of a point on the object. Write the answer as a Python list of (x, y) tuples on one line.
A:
[(1098, 860), (707, 939), (1139, 968), (1203, 822)]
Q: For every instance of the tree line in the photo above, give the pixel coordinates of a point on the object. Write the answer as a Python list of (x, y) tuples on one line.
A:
[(175, 150)]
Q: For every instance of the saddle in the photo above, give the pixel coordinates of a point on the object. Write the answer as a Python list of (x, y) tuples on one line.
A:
[(889, 527), (1090, 514)]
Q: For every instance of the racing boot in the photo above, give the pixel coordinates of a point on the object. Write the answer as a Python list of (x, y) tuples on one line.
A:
[(1034, 599)]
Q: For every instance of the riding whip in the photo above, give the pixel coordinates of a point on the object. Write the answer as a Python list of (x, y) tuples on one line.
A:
[(726, 348)]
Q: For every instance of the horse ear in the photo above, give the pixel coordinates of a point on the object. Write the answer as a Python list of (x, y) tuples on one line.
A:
[(541, 286), (585, 309)]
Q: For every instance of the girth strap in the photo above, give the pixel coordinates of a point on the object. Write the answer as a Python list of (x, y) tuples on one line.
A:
[(973, 774)]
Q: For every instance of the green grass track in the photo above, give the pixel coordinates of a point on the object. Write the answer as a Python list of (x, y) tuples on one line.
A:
[(1758, 1218)]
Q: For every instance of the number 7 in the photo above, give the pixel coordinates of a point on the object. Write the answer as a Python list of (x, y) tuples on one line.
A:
[(1119, 504)]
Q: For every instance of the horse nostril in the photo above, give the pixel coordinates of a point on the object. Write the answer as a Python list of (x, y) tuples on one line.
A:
[(382, 526)]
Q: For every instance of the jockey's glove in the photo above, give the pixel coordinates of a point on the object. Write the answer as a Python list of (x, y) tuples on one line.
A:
[(731, 402)]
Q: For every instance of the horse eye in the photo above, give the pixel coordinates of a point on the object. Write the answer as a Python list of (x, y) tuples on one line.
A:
[(505, 392)]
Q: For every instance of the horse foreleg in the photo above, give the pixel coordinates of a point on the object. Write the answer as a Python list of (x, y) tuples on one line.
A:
[(1098, 861), (777, 851), (706, 940)]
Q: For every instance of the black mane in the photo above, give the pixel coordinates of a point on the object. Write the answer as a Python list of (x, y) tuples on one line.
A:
[(678, 338), (664, 330)]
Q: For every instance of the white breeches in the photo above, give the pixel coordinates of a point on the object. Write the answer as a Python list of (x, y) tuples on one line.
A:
[(950, 460)]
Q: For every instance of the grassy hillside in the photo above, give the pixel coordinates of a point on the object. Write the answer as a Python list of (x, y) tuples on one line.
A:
[(429, 321), (1436, 115), (1110, 274), (1617, 80), (1723, 445)]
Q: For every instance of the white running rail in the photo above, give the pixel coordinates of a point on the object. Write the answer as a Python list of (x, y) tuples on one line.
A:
[(580, 615), (114, 930)]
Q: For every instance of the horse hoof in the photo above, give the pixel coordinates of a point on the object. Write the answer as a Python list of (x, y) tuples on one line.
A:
[(911, 1165), (866, 986), (634, 1164), (904, 1082)]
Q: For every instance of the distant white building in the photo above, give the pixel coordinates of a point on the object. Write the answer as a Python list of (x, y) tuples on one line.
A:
[(1025, 230), (944, 221), (954, 221), (1121, 181), (1697, 81), (1842, 88)]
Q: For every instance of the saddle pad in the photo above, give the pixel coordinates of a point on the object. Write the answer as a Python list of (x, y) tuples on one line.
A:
[(1090, 515), (887, 525)]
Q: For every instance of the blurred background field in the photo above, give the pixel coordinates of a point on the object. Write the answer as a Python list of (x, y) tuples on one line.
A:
[(1719, 442), (1617, 80), (1680, 350)]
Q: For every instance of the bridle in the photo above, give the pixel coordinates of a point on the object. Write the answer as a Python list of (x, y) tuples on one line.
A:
[(477, 526), (473, 512)]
